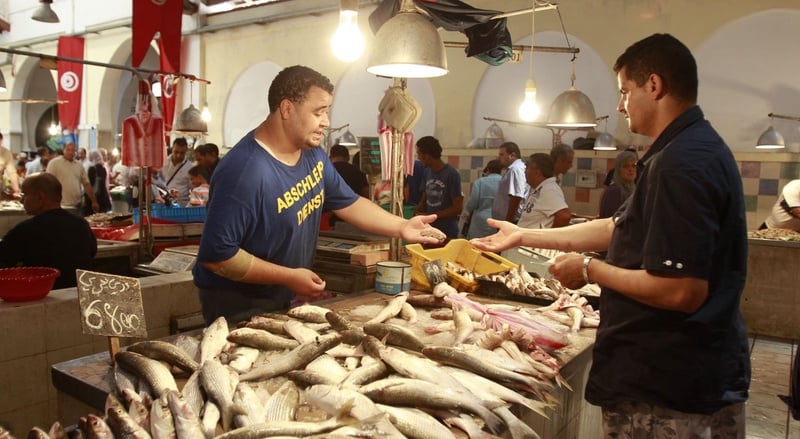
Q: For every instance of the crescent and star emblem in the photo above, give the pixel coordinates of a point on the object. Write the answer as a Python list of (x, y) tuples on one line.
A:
[(69, 81)]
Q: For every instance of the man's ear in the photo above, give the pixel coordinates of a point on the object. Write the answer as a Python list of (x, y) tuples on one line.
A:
[(286, 108), (655, 86)]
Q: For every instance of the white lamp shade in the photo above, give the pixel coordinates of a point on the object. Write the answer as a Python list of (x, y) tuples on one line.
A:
[(770, 139), (572, 109), (408, 46), (44, 13), (191, 121), (604, 142)]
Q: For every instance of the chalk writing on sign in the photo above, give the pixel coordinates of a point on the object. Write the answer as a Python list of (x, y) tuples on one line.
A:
[(110, 305)]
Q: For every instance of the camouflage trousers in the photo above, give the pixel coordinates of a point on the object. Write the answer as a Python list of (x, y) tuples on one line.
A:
[(635, 420)]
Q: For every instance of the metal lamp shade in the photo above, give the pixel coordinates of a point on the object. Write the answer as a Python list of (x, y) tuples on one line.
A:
[(770, 139), (408, 46), (347, 139), (44, 13), (604, 142), (191, 121), (571, 109)]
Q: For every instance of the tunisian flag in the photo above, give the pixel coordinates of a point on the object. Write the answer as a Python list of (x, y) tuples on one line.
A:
[(163, 16), (70, 82), (168, 93)]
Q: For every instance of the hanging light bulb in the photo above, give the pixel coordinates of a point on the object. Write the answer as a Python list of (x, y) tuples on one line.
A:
[(54, 129), (206, 113), (348, 42), (529, 109)]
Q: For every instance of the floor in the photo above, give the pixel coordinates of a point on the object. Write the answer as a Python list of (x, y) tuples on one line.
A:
[(768, 417)]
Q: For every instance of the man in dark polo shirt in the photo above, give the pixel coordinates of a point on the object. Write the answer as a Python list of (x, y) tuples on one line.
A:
[(671, 356)]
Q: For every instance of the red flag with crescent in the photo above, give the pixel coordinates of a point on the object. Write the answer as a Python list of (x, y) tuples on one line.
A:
[(168, 94), (163, 16), (70, 82)]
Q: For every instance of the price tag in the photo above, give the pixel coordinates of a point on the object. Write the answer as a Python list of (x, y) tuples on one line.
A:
[(110, 305), (370, 149)]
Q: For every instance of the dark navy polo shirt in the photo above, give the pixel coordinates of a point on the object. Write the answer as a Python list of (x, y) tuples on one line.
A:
[(686, 218)]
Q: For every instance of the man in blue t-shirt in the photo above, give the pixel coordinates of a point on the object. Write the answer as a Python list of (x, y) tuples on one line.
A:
[(671, 358), (442, 183), (267, 198)]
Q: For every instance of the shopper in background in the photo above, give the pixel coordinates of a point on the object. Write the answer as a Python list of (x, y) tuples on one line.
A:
[(98, 179), (83, 157), (8, 168), (174, 176), (53, 237), (512, 189), (671, 357), (264, 212), (207, 156), (479, 204), (198, 196), (72, 176), (622, 184), (442, 194), (357, 180), (786, 211), (563, 156), (545, 206), (415, 184)]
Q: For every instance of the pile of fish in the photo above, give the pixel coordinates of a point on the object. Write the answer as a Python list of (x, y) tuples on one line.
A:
[(386, 372), (518, 281)]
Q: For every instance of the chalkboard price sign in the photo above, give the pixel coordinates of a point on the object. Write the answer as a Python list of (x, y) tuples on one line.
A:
[(110, 305)]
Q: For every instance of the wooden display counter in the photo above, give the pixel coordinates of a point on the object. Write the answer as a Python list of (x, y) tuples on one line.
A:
[(770, 303), (83, 383)]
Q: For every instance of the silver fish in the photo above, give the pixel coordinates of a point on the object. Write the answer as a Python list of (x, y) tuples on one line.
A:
[(309, 313), (272, 325), (153, 372), (394, 335), (161, 424), (332, 399), (189, 345), (294, 359), (215, 337), (123, 425), (326, 364), (246, 398), (285, 428), (261, 339), (464, 327), (300, 331), (366, 373), (483, 388), (94, 427), (242, 358), (191, 392), (210, 419), (409, 313), (187, 423), (282, 405), (124, 380), (140, 414), (391, 309), (164, 351), (517, 428), (416, 423), (418, 393), (216, 380)]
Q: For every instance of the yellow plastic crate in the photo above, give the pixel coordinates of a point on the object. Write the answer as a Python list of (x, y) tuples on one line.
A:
[(462, 253)]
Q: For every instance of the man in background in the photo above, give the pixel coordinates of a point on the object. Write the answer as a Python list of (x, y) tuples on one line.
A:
[(175, 172), (545, 206), (207, 156), (53, 237), (73, 178), (563, 156), (353, 176), (513, 189), (442, 194)]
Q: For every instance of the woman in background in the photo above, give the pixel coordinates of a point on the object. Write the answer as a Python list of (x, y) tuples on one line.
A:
[(479, 204), (98, 178), (622, 186)]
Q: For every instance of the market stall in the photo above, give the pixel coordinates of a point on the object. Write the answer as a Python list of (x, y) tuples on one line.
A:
[(83, 383)]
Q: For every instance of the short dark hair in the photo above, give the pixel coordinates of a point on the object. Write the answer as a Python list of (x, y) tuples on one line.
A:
[(293, 83), (340, 151), (493, 167), (561, 151), (45, 183), (196, 170), (180, 141), (511, 148), (668, 58), (542, 162), (206, 149), (430, 145)]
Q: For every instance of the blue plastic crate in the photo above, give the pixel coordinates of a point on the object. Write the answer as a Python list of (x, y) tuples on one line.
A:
[(176, 214)]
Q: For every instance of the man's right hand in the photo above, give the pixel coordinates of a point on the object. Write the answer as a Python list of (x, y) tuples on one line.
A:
[(507, 236), (305, 282)]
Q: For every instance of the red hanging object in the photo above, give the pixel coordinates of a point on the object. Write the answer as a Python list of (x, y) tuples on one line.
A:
[(70, 82), (143, 133)]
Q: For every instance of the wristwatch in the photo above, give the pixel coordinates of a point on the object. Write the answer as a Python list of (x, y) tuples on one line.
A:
[(586, 261)]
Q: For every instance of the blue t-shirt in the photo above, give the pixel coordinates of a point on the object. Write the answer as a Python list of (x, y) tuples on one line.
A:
[(270, 210), (440, 189)]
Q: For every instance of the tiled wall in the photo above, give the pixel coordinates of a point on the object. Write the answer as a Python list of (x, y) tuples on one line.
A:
[(48, 331), (763, 176)]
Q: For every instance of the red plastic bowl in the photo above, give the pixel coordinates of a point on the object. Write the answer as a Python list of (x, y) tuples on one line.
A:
[(21, 284)]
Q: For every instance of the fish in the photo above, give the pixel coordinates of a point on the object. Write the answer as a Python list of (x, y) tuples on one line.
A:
[(242, 358), (517, 428), (215, 378), (187, 423), (339, 322), (164, 351), (416, 423), (480, 386), (463, 422), (286, 428), (153, 372), (124, 380), (394, 335), (426, 300), (463, 327), (294, 359), (309, 313), (282, 405), (261, 339), (57, 431), (391, 309), (327, 365), (274, 326), (161, 424), (300, 331), (210, 419), (123, 425), (245, 397), (191, 392), (38, 433), (305, 378), (409, 313), (331, 399), (189, 344), (419, 393), (140, 414), (94, 427), (442, 314), (215, 337), (366, 373)]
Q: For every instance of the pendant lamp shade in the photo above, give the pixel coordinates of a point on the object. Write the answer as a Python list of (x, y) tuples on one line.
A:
[(44, 13), (770, 139), (408, 46), (347, 139), (604, 142), (191, 121), (571, 109)]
